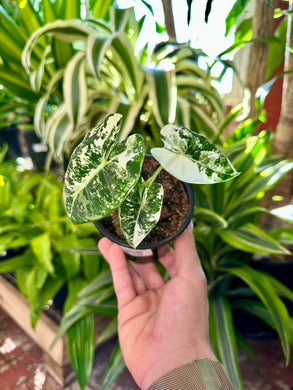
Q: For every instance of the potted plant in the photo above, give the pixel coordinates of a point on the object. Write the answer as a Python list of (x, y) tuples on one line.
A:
[(109, 179)]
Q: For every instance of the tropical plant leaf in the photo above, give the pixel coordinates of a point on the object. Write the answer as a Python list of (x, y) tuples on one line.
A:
[(236, 10), (140, 211), (41, 246), (66, 30), (264, 289), (249, 238), (163, 93), (115, 368), (223, 338), (191, 157), (58, 129), (81, 348), (102, 169), (75, 89), (210, 216)]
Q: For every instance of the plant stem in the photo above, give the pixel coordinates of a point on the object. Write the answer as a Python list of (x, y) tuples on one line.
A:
[(151, 179)]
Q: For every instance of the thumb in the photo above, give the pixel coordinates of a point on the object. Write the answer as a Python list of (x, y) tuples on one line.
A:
[(185, 250)]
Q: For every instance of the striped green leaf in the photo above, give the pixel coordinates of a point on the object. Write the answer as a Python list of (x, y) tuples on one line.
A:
[(267, 179), (85, 305), (115, 49), (210, 216), (11, 45), (250, 238), (163, 93), (58, 129), (100, 8), (19, 85), (81, 348), (115, 367), (264, 289), (68, 31), (205, 90), (29, 16), (39, 115), (140, 211), (75, 89), (96, 50), (191, 157), (102, 171), (183, 114), (203, 119), (129, 111), (223, 338)]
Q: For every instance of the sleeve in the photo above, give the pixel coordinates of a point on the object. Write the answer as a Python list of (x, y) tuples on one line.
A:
[(202, 374)]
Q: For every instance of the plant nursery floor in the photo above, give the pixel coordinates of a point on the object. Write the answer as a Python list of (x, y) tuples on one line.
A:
[(22, 365)]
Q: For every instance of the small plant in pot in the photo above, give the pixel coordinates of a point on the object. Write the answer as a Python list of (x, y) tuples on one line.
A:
[(127, 195)]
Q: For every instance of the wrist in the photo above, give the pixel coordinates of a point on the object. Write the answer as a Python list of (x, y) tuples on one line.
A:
[(165, 364)]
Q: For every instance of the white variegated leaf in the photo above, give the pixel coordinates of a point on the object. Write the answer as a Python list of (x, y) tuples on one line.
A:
[(140, 211), (102, 171), (191, 157)]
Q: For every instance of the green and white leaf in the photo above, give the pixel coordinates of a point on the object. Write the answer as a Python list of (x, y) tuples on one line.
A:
[(191, 157), (58, 131), (75, 89), (249, 238), (223, 338), (163, 94), (81, 347), (140, 211), (102, 171)]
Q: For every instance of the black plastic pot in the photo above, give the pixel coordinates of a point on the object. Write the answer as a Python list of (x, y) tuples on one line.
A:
[(144, 250), (36, 150), (9, 135)]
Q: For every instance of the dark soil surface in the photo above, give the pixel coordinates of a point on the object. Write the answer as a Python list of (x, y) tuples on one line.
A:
[(175, 207)]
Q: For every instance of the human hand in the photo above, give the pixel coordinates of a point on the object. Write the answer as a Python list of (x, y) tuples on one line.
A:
[(161, 325)]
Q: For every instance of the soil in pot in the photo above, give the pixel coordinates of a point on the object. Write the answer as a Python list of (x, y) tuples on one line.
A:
[(174, 209)]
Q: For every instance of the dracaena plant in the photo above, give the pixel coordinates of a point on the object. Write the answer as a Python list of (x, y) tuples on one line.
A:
[(104, 173)]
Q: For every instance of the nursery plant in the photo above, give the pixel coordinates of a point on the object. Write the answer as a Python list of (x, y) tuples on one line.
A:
[(104, 173)]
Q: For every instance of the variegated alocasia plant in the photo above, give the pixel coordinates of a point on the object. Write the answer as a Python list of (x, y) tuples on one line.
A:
[(104, 173)]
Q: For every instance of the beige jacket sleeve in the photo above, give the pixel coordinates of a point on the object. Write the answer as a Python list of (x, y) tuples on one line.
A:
[(202, 374)]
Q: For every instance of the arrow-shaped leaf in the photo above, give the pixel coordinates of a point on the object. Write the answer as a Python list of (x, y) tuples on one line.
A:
[(102, 171), (191, 157), (140, 211)]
